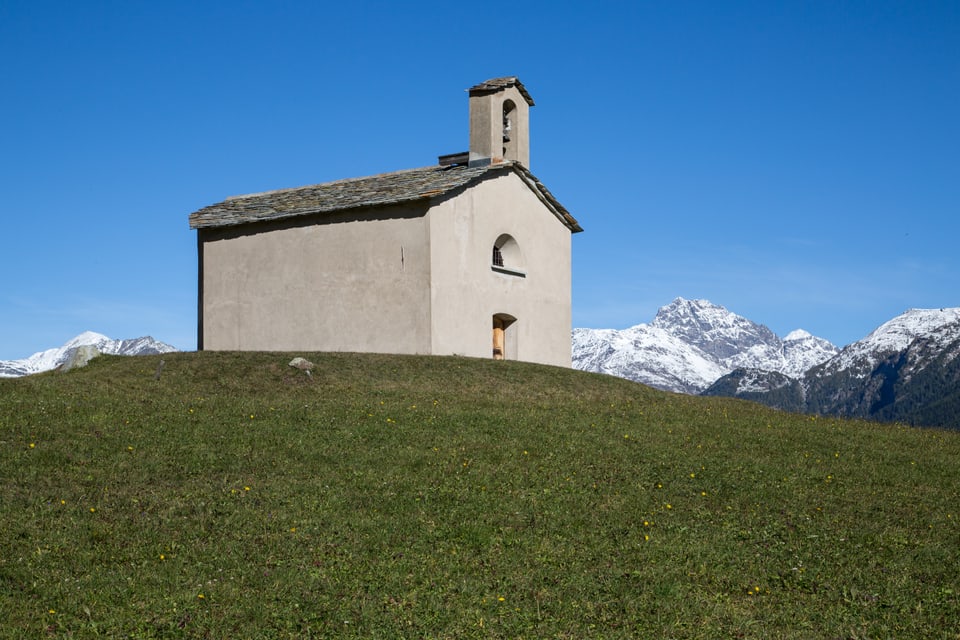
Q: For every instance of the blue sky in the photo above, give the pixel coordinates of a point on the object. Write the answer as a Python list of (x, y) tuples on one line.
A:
[(795, 162)]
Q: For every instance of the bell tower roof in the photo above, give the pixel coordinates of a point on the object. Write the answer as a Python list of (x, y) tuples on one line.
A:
[(495, 85)]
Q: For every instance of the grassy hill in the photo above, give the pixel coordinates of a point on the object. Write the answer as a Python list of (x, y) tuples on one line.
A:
[(421, 497)]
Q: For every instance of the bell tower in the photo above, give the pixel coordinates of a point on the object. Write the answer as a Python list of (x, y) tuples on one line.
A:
[(499, 122)]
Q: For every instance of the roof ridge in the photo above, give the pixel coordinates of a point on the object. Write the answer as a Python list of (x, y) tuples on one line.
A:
[(394, 187)]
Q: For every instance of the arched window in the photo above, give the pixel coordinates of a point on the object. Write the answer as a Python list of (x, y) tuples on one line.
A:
[(497, 256), (509, 140), (507, 257)]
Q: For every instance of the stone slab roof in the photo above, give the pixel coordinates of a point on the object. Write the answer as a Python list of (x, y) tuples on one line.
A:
[(496, 84), (384, 189)]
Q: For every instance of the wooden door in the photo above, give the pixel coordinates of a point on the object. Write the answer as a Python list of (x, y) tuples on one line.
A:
[(498, 341)]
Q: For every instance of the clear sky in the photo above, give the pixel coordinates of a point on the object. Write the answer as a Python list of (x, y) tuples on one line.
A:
[(795, 162)]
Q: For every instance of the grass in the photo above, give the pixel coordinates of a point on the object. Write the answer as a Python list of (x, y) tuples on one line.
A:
[(419, 497)]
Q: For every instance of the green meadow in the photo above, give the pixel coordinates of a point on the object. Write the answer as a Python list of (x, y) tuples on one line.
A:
[(424, 497)]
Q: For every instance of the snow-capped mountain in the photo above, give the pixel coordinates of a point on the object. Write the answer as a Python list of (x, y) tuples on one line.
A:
[(895, 336), (646, 354), (53, 358), (692, 343), (908, 369), (802, 351)]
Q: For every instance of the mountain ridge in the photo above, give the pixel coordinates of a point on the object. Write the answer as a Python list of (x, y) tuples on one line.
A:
[(692, 343), (50, 359), (906, 370)]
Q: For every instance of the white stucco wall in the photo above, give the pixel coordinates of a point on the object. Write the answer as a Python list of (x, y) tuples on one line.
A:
[(340, 284), (466, 292)]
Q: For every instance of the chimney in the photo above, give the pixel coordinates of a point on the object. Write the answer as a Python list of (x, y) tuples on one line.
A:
[(499, 122)]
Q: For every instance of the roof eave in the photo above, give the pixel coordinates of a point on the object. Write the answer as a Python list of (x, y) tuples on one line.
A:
[(196, 221), (547, 198)]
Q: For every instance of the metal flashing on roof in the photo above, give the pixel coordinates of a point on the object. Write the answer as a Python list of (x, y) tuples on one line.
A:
[(449, 159)]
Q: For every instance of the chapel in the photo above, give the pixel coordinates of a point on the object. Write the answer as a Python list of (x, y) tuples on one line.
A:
[(470, 256)]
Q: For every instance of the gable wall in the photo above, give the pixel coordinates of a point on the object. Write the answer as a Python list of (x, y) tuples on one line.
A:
[(339, 283), (466, 292)]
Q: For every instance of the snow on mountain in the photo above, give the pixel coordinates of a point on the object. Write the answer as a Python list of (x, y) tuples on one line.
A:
[(893, 336), (53, 358), (803, 351), (718, 332), (692, 343), (646, 354), (906, 370)]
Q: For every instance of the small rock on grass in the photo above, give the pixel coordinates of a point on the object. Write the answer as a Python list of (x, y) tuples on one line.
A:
[(302, 363)]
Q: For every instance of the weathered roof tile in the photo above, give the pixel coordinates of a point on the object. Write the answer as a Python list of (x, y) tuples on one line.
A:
[(372, 191), (496, 84)]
